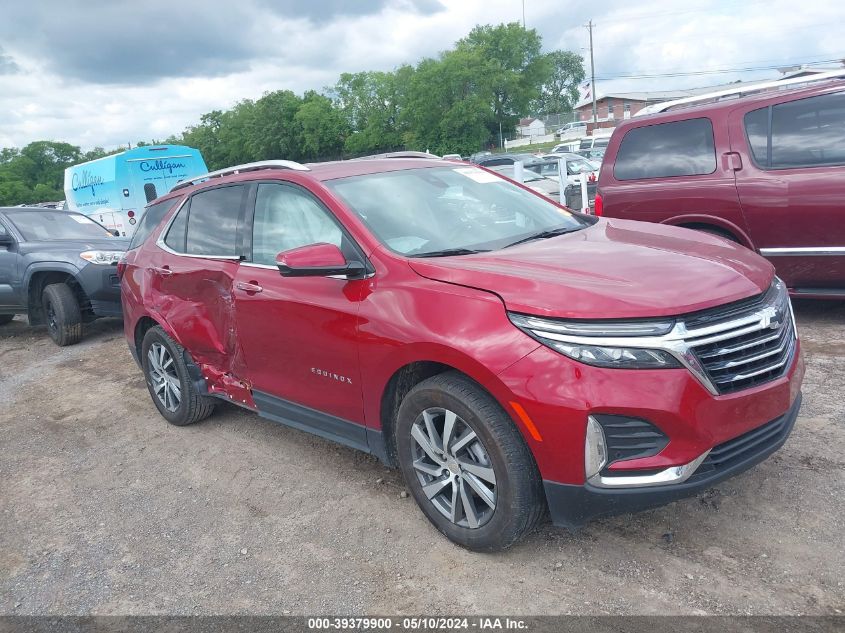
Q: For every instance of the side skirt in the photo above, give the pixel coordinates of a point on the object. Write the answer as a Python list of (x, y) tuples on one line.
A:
[(322, 424)]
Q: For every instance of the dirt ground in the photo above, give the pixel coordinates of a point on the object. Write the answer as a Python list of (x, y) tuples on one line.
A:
[(106, 509)]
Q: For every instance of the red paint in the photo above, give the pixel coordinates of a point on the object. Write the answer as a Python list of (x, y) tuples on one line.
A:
[(334, 344), (313, 255), (759, 208)]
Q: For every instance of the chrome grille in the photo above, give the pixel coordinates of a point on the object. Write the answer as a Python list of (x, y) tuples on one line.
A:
[(748, 349)]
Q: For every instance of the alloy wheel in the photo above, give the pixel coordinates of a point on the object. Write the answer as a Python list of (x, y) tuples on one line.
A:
[(453, 467), (166, 384)]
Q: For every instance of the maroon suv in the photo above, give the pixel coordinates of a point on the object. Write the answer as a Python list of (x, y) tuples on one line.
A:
[(767, 171)]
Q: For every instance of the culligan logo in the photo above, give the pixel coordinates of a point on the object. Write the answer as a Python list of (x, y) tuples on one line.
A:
[(85, 180), (161, 165)]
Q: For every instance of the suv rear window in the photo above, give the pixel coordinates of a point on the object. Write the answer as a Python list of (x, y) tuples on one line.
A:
[(151, 218), (804, 133), (680, 148), (213, 222)]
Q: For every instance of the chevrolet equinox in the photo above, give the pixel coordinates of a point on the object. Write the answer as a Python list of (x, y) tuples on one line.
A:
[(511, 357)]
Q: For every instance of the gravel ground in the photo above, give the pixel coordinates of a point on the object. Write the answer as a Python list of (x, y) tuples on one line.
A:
[(106, 509)]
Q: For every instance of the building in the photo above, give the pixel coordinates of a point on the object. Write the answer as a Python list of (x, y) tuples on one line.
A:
[(531, 127)]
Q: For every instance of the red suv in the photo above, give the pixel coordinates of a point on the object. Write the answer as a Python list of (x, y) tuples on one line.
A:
[(508, 355), (766, 171)]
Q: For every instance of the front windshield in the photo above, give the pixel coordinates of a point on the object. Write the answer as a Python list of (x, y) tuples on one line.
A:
[(422, 211), (56, 225)]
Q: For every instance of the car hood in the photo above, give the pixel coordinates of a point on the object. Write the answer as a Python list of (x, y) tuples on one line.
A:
[(613, 269), (70, 249)]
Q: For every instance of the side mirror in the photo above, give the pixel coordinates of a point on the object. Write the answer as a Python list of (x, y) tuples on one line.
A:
[(116, 233), (317, 260), (6, 239)]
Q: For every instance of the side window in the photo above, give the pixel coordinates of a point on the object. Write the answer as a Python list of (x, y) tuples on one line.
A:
[(757, 131), (213, 222), (680, 148), (176, 233), (287, 218), (809, 132), (151, 219)]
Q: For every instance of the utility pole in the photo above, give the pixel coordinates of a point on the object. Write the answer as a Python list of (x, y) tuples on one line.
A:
[(523, 14), (593, 75)]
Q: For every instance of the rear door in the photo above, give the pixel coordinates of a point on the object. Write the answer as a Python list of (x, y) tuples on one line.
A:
[(674, 172), (193, 271), (792, 186), (299, 334)]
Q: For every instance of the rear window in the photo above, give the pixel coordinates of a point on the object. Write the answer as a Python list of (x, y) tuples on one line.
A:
[(151, 219), (56, 225), (803, 133), (680, 148), (213, 222)]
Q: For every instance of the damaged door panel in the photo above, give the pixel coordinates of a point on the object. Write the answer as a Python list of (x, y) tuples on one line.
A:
[(193, 292)]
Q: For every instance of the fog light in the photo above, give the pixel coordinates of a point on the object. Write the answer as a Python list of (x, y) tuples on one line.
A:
[(595, 448)]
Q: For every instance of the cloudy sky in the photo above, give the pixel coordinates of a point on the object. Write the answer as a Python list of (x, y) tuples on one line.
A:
[(109, 72)]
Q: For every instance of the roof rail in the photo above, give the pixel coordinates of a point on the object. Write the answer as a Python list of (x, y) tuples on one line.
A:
[(239, 169), (740, 90), (402, 154)]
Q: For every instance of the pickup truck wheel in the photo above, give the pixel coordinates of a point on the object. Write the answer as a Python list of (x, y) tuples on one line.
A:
[(6, 318), (466, 464), (62, 313), (169, 381)]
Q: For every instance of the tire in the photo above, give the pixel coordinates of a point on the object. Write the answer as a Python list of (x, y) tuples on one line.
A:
[(517, 494), (6, 318), (161, 355), (716, 232), (62, 314)]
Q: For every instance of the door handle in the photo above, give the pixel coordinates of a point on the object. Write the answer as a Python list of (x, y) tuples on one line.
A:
[(164, 272), (248, 286)]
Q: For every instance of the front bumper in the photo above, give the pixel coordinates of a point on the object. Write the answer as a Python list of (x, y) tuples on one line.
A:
[(102, 287), (572, 506)]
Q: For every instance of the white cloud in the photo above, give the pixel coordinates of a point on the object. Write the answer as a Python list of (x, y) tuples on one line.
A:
[(55, 95)]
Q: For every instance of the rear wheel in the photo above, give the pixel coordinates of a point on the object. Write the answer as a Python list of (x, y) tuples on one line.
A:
[(6, 318), (169, 381), (62, 313), (466, 464)]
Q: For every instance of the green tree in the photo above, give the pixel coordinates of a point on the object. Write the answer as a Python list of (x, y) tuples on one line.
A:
[(510, 68), (560, 92), (323, 126)]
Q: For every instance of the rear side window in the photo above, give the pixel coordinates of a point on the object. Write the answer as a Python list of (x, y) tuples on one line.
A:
[(213, 222), (151, 219), (804, 133), (175, 239), (681, 148)]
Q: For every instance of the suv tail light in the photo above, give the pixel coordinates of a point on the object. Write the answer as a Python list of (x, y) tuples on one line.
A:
[(599, 205)]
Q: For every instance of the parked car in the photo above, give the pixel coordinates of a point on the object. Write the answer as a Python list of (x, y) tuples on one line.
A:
[(567, 147), (549, 187), (589, 143), (507, 355), (452, 157), (495, 160), (573, 128), (59, 268), (765, 170), (576, 165)]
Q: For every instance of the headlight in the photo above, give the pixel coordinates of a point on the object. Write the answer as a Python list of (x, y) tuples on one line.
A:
[(571, 338), (102, 257)]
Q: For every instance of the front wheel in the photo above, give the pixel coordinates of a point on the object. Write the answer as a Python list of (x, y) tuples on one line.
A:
[(466, 464), (169, 381), (63, 315)]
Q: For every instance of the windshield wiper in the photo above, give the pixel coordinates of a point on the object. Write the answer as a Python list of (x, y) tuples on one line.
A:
[(450, 251), (561, 230)]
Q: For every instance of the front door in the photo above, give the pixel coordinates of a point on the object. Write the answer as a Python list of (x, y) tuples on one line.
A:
[(299, 334), (791, 187), (10, 299)]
